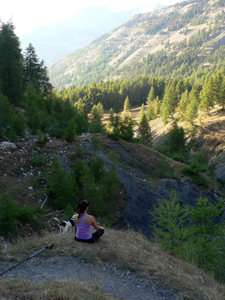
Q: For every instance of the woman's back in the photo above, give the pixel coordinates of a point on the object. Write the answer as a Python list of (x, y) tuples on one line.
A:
[(83, 229)]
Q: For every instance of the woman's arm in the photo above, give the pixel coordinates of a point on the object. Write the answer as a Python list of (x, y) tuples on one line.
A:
[(95, 225), (76, 220)]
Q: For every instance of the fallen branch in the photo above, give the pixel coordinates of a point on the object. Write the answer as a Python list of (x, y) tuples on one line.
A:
[(46, 198)]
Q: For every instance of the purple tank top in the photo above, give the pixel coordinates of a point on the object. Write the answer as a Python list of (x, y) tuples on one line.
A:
[(83, 230)]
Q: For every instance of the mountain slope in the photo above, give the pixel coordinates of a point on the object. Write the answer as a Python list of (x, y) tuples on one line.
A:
[(54, 42), (173, 41)]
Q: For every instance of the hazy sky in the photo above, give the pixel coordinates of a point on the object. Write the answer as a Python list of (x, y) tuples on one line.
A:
[(27, 14)]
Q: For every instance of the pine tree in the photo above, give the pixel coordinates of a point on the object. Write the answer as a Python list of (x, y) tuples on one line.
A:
[(35, 72), (96, 117), (126, 130), (111, 121), (11, 64), (150, 112), (141, 112), (169, 220), (181, 108), (151, 95), (144, 131), (221, 92), (169, 102), (153, 109), (207, 94), (192, 107), (174, 145), (126, 105), (204, 229)]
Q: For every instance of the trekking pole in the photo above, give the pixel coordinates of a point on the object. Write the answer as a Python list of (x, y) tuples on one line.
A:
[(32, 255)]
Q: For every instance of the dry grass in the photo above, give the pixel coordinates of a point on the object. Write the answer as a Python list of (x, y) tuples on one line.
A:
[(61, 290), (134, 253)]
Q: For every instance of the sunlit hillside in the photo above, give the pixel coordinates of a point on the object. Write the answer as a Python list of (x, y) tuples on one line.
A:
[(181, 40)]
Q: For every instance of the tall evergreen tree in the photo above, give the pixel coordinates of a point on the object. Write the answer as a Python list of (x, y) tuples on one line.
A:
[(144, 131), (35, 72), (153, 109), (181, 108), (220, 84), (126, 105), (96, 117), (11, 64), (151, 95), (207, 94), (169, 102), (142, 110), (192, 107)]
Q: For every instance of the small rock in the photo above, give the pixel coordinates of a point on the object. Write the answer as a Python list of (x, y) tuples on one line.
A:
[(8, 145), (56, 219)]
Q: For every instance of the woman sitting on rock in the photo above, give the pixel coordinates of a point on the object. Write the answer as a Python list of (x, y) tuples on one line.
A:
[(84, 222)]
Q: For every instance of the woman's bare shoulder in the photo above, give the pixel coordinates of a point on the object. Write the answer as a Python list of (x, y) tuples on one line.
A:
[(90, 217), (76, 219)]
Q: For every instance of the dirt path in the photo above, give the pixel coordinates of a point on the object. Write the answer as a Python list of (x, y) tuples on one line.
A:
[(123, 285)]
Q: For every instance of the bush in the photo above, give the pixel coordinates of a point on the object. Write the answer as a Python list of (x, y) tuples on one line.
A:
[(79, 170), (194, 233), (194, 172), (169, 218), (11, 124), (37, 161), (79, 152), (204, 243), (28, 215), (96, 167), (70, 131), (42, 139), (12, 215), (62, 188), (221, 180), (9, 212), (174, 145)]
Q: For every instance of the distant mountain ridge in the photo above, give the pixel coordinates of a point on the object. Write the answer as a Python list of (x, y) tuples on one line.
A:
[(174, 41), (53, 42)]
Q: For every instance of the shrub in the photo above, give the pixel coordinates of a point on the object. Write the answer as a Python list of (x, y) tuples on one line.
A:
[(95, 143), (96, 167), (37, 160), (28, 215), (194, 233), (11, 124), (174, 145), (79, 152), (42, 139), (194, 172), (79, 170), (9, 212), (70, 131), (204, 243), (169, 220), (221, 180), (12, 215), (62, 188)]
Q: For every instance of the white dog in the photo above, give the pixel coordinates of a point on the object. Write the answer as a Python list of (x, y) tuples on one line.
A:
[(65, 225)]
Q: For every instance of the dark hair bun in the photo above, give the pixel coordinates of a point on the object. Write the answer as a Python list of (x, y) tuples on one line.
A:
[(82, 206)]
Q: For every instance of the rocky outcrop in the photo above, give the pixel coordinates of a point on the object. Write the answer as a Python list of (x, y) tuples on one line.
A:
[(141, 198)]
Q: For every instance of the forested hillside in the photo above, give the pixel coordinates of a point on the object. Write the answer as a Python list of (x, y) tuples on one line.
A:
[(186, 39), (53, 42)]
